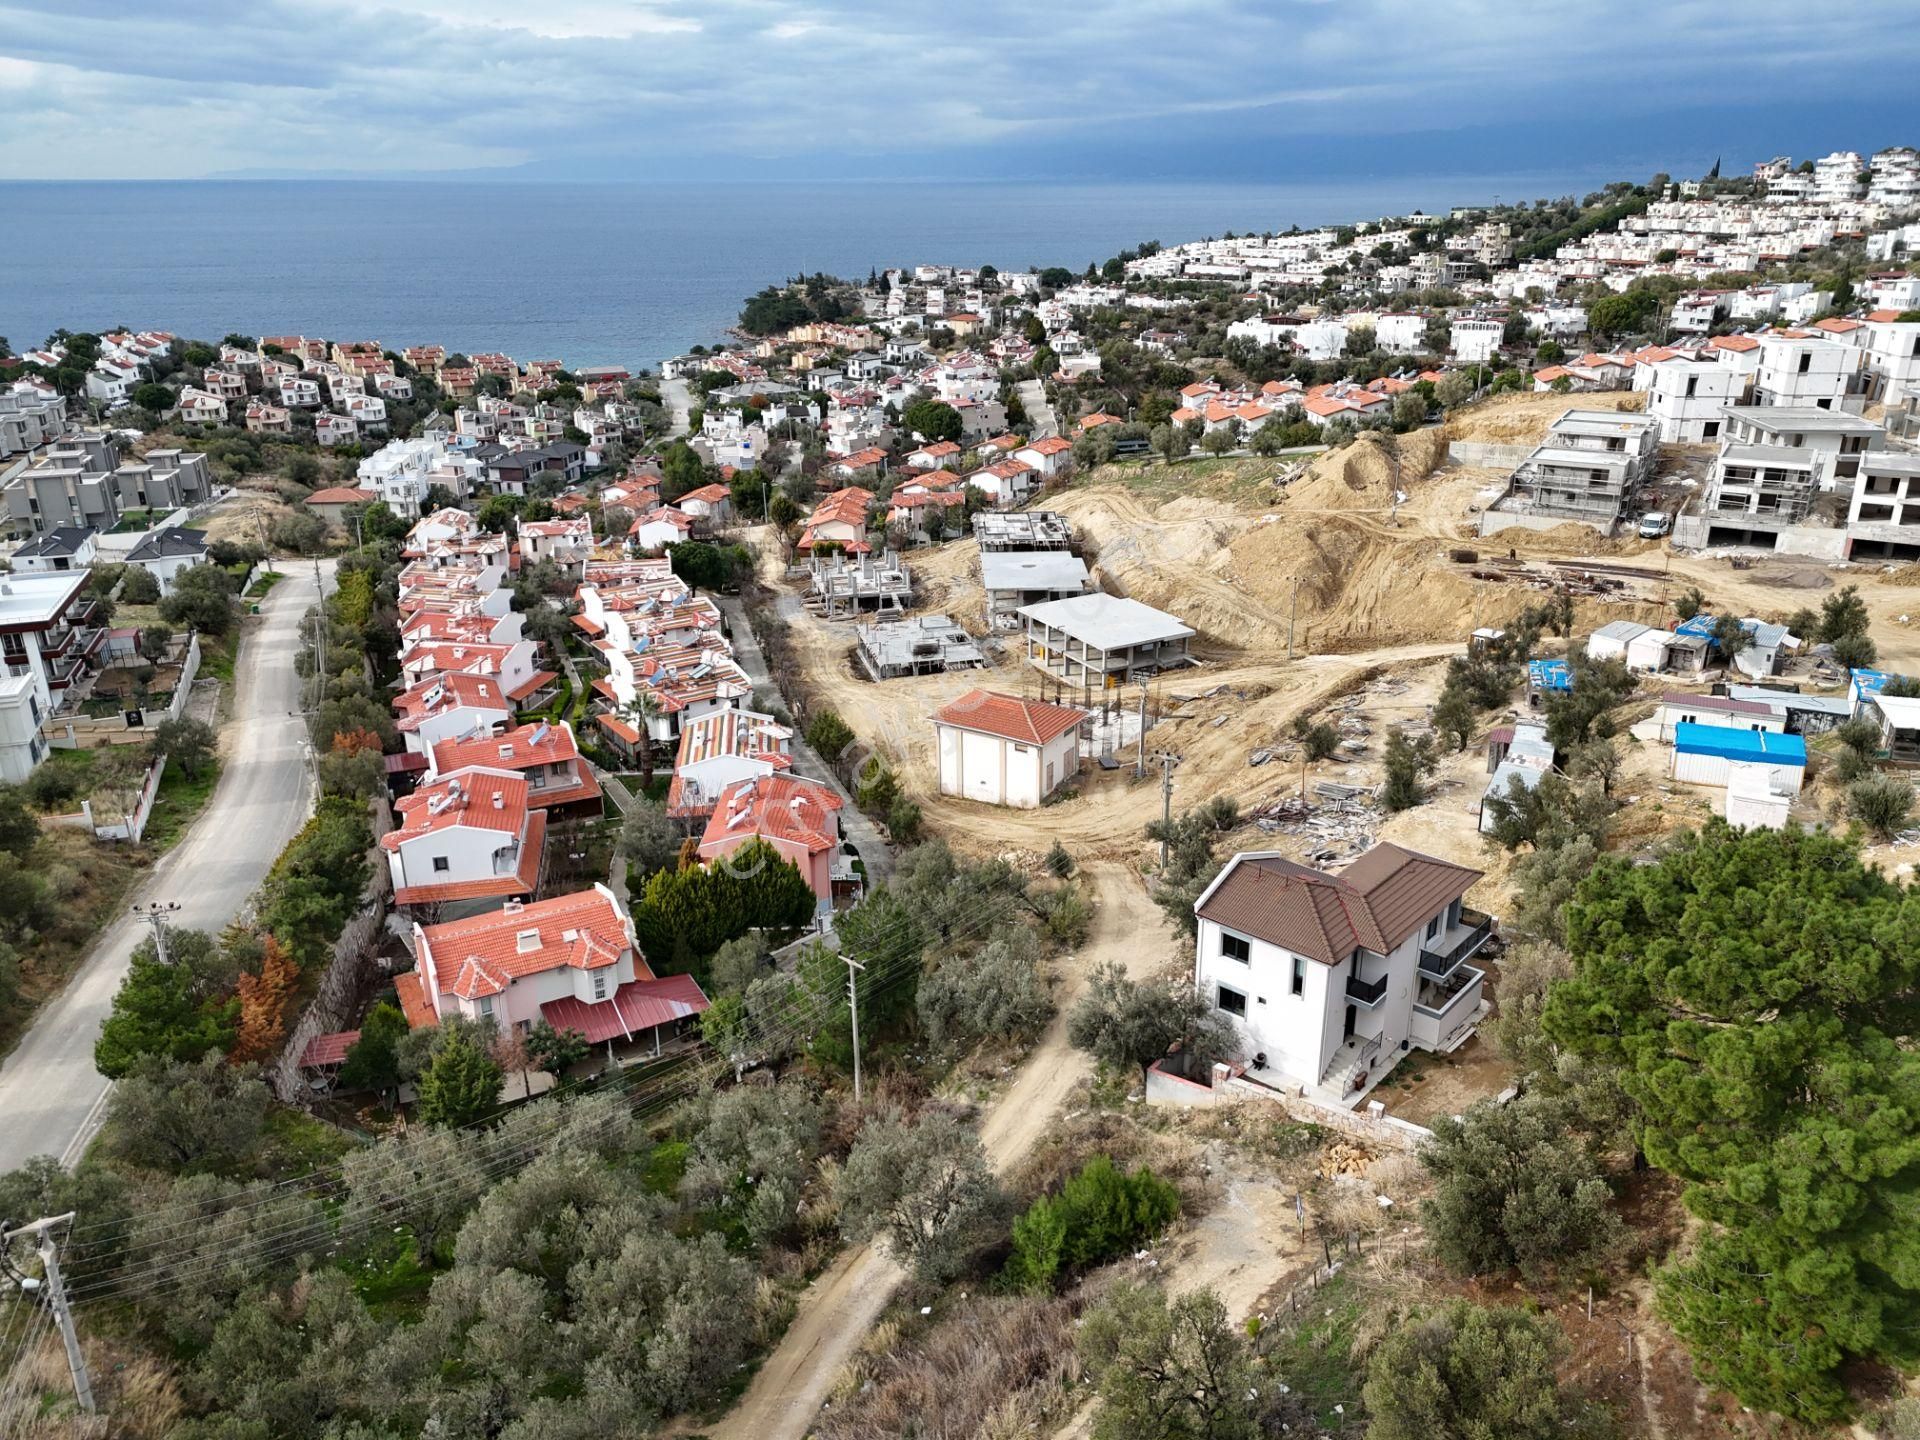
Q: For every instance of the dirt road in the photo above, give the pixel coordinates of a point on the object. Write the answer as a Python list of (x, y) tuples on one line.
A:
[(840, 1307)]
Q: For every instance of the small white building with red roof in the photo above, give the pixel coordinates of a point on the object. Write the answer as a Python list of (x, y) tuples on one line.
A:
[(571, 960), (711, 503), (1002, 750), (466, 841), (1049, 456), (799, 818)]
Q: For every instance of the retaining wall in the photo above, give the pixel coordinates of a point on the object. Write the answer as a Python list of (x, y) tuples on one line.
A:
[(1229, 1087)]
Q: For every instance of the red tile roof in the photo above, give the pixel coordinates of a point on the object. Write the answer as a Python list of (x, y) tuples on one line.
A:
[(471, 799), (524, 881), (325, 1051), (1028, 722), (340, 495), (775, 807), (480, 955)]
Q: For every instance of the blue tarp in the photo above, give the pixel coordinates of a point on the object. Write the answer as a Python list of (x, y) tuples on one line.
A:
[(1727, 743), (1868, 683), (1549, 675), (1701, 625)]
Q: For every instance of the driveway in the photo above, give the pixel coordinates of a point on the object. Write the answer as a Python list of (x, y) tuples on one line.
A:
[(50, 1095)]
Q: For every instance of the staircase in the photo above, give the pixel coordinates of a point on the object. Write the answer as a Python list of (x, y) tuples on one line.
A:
[(1354, 1055)]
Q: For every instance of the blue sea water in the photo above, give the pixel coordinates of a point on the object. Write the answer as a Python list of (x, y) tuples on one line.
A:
[(586, 273)]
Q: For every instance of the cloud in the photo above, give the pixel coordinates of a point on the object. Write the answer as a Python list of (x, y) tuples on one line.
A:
[(631, 88)]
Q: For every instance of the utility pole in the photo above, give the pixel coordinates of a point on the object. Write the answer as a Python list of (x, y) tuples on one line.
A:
[(853, 1004), (1293, 615), (1167, 761), (53, 1292), (155, 914)]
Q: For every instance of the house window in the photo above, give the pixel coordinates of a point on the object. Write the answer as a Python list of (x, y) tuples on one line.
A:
[(440, 864), (1235, 948), (1433, 927), (486, 1007), (1232, 1001), (599, 985), (1299, 975)]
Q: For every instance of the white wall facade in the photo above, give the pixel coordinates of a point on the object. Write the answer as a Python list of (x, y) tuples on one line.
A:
[(997, 771), (1687, 398)]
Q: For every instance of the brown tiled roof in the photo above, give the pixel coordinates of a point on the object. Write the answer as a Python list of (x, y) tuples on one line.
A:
[(1375, 903)]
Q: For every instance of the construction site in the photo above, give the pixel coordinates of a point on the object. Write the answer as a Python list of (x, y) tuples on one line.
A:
[(1337, 595)]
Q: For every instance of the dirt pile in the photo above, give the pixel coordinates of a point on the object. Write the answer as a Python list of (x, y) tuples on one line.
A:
[(1522, 419)]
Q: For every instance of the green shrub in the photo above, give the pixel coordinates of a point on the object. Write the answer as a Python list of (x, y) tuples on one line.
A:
[(1099, 1213)]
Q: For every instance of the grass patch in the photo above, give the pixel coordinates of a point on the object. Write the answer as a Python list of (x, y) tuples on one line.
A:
[(178, 804), (134, 520), (217, 656), (264, 582), (298, 1144), (391, 1282), (1315, 1357), (666, 1167), (88, 882), (654, 790)]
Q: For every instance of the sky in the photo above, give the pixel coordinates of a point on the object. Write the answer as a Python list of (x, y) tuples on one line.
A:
[(752, 90)]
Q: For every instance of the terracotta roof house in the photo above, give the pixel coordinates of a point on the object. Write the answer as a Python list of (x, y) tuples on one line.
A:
[(800, 818), (543, 754), (721, 749), (570, 960), (465, 840)]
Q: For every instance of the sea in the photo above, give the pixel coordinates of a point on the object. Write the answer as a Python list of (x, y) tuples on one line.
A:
[(590, 274)]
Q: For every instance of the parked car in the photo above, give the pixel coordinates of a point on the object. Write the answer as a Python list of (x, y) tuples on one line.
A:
[(1654, 524)]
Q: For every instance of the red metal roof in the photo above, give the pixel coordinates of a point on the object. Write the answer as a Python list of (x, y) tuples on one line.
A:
[(635, 1008), (325, 1051)]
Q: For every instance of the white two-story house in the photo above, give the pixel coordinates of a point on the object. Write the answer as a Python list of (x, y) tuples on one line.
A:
[(1330, 979)]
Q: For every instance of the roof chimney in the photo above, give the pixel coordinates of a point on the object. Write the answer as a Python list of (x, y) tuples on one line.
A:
[(499, 801)]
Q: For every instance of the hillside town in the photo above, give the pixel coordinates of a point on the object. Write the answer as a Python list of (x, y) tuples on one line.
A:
[(902, 860)]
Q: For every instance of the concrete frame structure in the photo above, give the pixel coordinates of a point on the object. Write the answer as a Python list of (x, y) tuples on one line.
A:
[(1100, 640), (1586, 469), (923, 645), (1017, 578)]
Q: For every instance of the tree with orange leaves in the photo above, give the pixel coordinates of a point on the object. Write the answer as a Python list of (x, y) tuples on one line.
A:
[(263, 1005)]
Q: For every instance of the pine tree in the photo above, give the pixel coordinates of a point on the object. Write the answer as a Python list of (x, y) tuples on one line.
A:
[(460, 1085)]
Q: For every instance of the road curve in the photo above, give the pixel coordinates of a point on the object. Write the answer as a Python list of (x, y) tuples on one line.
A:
[(51, 1097)]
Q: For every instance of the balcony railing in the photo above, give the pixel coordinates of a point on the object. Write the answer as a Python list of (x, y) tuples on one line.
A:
[(1367, 992), (1438, 964)]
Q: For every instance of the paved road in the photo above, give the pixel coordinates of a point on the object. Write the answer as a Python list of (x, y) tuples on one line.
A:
[(51, 1098), (676, 396), (864, 834), (1040, 418)]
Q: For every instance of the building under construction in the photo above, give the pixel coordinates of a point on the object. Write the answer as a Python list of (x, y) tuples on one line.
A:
[(1096, 641), (1022, 530), (841, 585), (1587, 469), (924, 645)]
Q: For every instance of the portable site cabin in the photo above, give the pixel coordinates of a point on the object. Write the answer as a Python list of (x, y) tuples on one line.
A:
[(1643, 648), (1707, 755), (1754, 801), (1899, 720), (1612, 640), (1718, 710)]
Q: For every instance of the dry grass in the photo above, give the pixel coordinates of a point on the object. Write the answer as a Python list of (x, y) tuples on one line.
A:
[(135, 1393), (994, 1366)]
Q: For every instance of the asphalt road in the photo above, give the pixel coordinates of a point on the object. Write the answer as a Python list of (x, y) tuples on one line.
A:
[(51, 1097)]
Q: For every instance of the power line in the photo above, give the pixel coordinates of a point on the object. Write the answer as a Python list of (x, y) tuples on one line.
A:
[(647, 1091), (193, 1215)]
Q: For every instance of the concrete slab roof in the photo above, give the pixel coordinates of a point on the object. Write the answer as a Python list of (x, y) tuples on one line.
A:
[(1032, 570), (1107, 622)]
